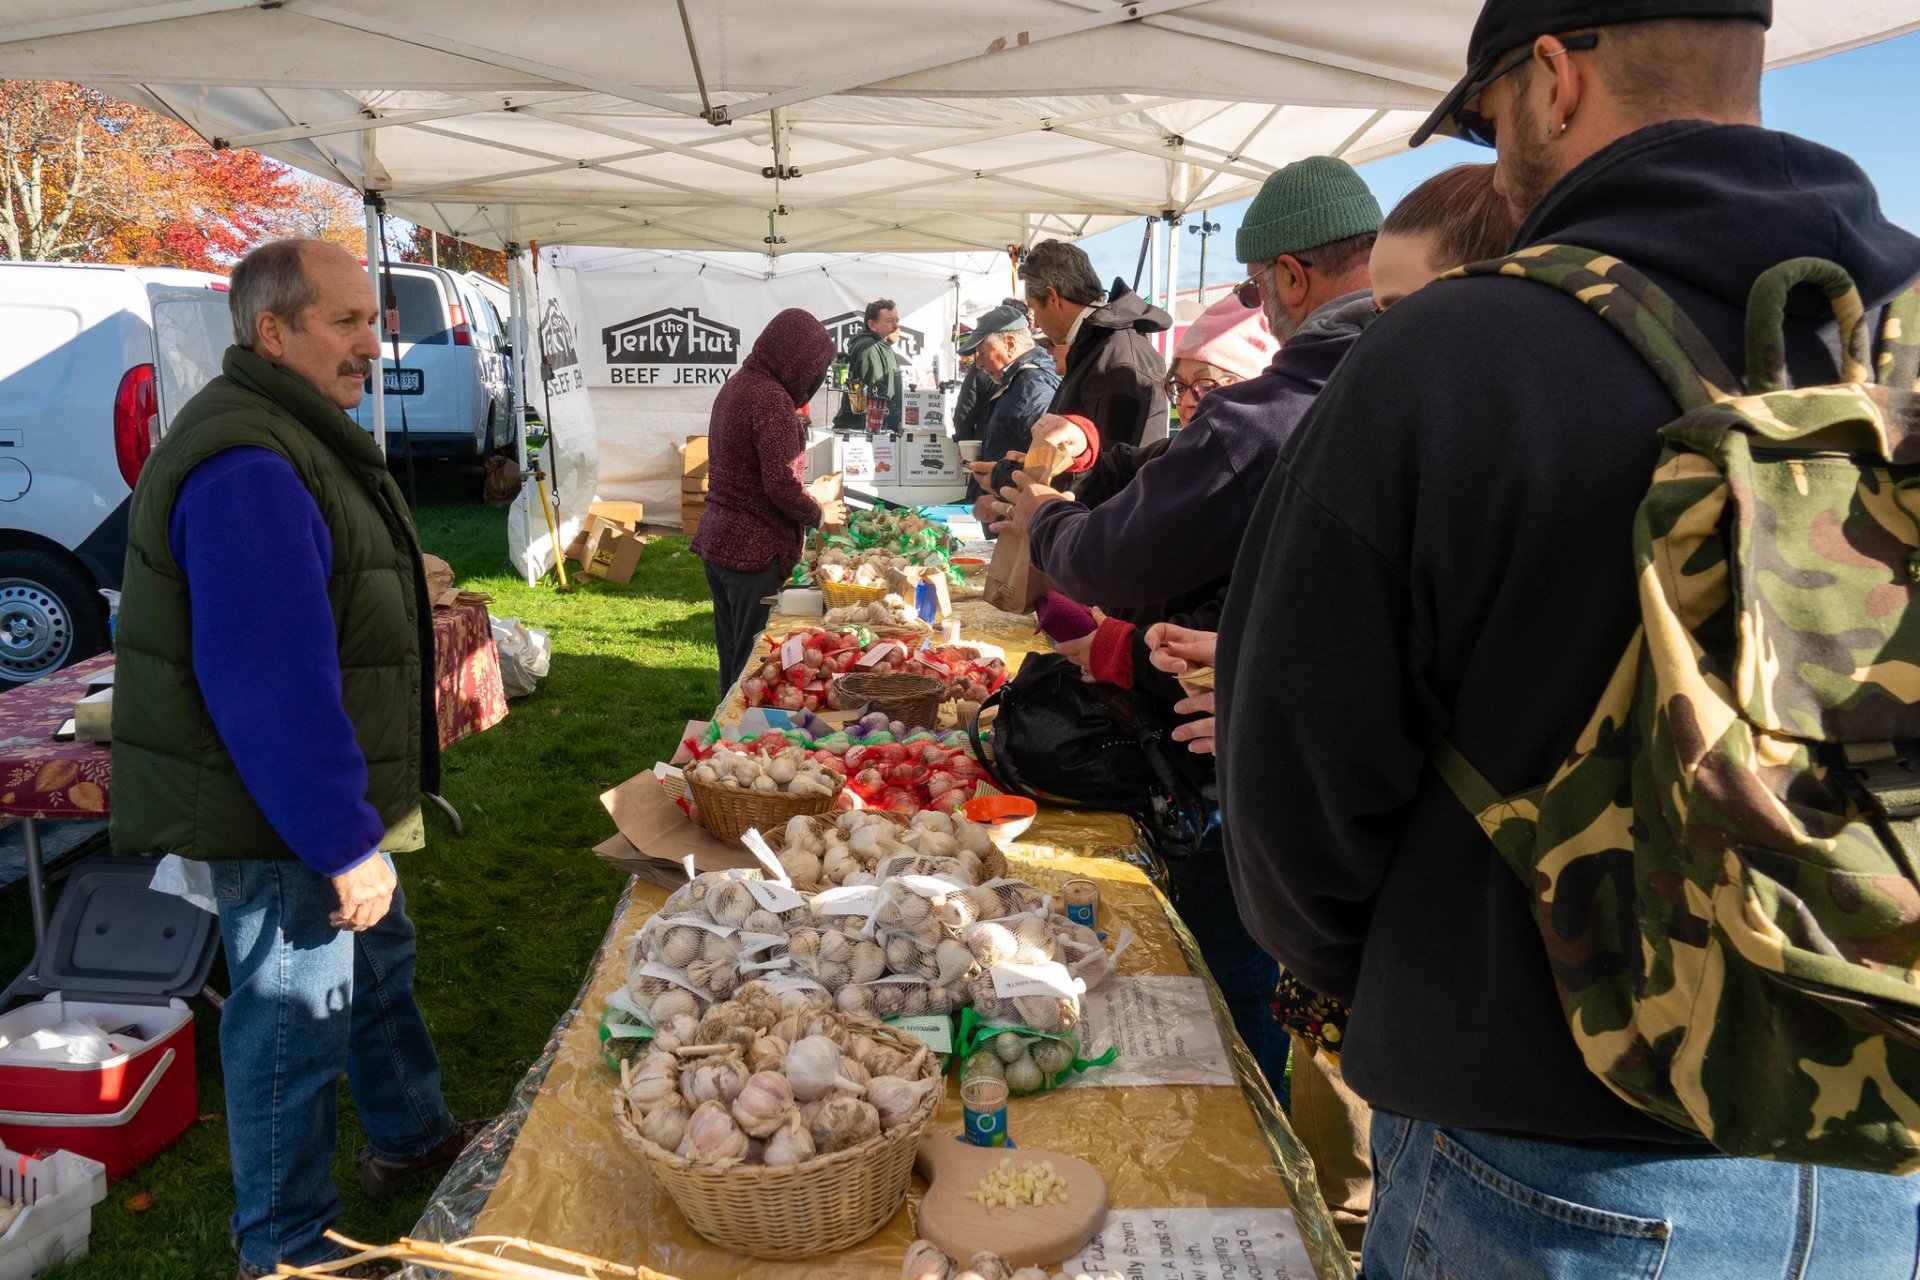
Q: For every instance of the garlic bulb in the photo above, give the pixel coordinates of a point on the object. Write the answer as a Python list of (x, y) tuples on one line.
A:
[(726, 1016), (853, 1078), (787, 1028), (765, 782), (670, 1034), (926, 1261), (762, 921), (713, 1081), (812, 1067), (991, 1266), (952, 961), (896, 1100), (763, 1103), (712, 1137), (1052, 1056), (1009, 1045), (799, 831), (790, 1142), (666, 1124), (766, 1053), (844, 1123), (802, 865), (1023, 1077), (731, 903), (648, 1092), (673, 1004)]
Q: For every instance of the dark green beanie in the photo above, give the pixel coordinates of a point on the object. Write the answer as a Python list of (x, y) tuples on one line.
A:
[(1308, 203)]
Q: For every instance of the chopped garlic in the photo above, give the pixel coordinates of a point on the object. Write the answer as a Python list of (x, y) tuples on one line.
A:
[(1008, 1186)]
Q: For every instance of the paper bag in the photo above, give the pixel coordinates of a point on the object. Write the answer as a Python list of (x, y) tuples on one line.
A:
[(1014, 583)]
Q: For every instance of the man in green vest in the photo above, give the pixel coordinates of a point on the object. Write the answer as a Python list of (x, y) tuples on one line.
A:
[(274, 719), (873, 364)]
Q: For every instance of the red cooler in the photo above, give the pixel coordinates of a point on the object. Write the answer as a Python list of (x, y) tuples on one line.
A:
[(120, 956)]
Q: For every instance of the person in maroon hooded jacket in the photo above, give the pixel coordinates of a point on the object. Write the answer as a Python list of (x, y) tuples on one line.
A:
[(758, 506)]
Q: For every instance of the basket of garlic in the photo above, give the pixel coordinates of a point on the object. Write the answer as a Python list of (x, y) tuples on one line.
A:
[(737, 791), (789, 1132)]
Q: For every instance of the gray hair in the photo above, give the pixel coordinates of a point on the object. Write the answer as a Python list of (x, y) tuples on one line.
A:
[(1021, 339), (271, 280), (1064, 268)]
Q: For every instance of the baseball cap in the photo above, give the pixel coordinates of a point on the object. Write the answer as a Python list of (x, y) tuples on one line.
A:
[(1001, 319), (1509, 24)]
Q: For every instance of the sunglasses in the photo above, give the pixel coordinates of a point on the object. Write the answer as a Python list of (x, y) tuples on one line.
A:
[(1470, 124), (1248, 291)]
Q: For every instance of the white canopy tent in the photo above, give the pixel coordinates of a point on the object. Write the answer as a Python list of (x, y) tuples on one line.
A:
[(795, 126)]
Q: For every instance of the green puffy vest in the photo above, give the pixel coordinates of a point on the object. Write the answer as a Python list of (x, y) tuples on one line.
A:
[(175, 788)]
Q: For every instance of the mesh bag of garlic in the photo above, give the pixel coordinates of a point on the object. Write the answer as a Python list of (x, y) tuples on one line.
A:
[(848, 848)]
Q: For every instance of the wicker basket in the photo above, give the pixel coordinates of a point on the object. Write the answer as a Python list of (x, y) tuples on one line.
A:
[(838, 595), (913, 700), (821, 1206), (730, 812)]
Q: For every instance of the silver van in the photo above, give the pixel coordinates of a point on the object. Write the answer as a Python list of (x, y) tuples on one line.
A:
[(94, 363), (450, 383)]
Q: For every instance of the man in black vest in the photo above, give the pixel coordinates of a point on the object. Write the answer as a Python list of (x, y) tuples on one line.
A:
[(283, 743)]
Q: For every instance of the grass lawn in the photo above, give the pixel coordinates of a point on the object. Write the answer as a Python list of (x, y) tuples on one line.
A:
[(509, 914)]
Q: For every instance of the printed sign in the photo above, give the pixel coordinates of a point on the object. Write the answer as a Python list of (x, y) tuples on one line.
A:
[(560, 359), (676, 347), (1226, 1243), (907, 343)]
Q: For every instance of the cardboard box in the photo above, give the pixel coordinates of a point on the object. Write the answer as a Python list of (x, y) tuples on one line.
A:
[(612, 551), (929, 457), (625, 514), (693, 465), (692, 507), (93, 717)]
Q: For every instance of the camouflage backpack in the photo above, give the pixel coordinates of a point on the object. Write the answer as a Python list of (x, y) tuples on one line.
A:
[(1726, 867)]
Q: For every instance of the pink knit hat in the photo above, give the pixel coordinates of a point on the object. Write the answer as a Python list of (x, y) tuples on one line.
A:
[(1229, 337)]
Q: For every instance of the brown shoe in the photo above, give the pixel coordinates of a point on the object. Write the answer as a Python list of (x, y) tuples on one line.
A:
[(381, 1177), (364, 1271)]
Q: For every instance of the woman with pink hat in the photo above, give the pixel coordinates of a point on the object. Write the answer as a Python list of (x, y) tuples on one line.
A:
[(1229, 342)]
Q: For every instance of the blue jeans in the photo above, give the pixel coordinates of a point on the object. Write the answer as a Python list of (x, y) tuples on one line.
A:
[(309, 1002), (1245, 974), (1461, 1203)]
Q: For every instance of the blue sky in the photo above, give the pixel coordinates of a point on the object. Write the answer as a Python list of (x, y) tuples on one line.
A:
[(1842, 101)]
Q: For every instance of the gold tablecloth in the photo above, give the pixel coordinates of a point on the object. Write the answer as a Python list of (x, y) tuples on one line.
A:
[(570, 1181)]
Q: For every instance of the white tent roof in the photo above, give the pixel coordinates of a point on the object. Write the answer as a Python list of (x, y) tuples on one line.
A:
[(905, 126)]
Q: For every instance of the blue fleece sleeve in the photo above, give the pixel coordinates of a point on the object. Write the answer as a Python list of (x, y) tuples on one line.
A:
[(257, 557)]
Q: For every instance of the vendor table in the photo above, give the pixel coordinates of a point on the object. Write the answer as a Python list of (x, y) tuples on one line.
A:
[(41, 778), (1212, 1168)]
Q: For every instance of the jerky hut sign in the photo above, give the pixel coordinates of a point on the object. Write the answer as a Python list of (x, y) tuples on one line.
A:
[(677, 347)]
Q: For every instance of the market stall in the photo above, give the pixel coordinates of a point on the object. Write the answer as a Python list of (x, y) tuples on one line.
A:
[(1200, 1167)]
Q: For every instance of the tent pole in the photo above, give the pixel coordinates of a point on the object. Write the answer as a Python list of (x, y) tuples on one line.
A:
[(378, 382), (517, 335), (1173, 269)]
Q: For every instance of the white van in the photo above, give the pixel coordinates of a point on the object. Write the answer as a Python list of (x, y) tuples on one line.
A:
[(94, 363), (451, 380)]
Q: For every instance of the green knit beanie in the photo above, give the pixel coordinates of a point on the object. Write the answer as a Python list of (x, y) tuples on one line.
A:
[(1308, 203)]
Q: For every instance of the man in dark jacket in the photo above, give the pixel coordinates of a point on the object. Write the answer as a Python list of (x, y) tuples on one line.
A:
[(1153, 532), (1445, 553), (1114, 376), (1001, 344), (287, 745), (872, 364)]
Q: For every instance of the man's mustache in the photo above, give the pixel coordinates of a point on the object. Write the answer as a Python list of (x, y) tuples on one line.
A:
[(358, 368)]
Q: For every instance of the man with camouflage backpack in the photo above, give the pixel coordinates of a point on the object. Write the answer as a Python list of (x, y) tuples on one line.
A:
[(1433, 603)]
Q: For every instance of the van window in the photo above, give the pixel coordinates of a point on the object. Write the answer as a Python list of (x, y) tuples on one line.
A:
[(192, 330), (423, 317)]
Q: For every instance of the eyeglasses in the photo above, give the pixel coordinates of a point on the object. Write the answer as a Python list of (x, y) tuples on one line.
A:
[(1475, 127), (1176, 390), (1248, 291)]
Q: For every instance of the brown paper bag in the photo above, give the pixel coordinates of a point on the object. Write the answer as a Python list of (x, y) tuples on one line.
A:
[(1014, 583)]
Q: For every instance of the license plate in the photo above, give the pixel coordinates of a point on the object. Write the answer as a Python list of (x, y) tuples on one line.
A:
[(403, 382)]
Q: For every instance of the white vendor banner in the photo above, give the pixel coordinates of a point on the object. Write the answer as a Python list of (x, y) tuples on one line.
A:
[(557, 390)]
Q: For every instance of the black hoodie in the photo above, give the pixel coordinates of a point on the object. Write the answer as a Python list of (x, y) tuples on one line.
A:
[(1444, 551), (1114, 376)]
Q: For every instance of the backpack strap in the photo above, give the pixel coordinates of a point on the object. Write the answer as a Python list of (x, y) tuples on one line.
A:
[(1767, 319), (1898, 367), (1638, 309)]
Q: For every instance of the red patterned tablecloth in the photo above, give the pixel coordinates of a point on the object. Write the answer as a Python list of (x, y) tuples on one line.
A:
[(468, 694), (41, 778)]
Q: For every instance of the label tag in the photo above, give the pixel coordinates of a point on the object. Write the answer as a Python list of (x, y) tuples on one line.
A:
[(792, 982), (891, 649), (654, 969), (793, 650), (699, 922), (777, 898), (757, 845), (1011, 981), (933, 886), (931, 1029), (847, 900)]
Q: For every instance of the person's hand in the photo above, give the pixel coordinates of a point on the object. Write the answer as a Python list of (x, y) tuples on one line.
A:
[(1026, 495), (366, 892), (1057, 431), (986, 509), (833, 514), (1175, 650), (1197, 734), (1080, 652)]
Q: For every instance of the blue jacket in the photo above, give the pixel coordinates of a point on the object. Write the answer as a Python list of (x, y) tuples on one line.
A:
[(1026, 388)]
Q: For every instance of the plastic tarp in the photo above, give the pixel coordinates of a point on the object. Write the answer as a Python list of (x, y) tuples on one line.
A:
[(791, 126), (557, 389), (649, 337)]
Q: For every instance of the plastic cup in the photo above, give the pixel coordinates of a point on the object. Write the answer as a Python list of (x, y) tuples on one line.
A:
[(984, 1102), (969, 450)]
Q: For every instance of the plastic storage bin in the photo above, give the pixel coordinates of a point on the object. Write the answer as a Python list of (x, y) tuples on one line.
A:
[(59, 1190)]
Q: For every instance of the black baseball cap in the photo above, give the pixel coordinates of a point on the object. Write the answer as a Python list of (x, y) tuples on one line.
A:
[(1509, 24)]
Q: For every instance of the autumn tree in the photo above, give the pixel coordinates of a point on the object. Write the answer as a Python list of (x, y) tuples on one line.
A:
[(87, 178), (418, 245)]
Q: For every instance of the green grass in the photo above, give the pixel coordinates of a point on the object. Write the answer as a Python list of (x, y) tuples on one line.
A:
[(509, 914)]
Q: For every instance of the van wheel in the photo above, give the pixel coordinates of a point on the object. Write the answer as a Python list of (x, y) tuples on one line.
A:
[(50, 616)]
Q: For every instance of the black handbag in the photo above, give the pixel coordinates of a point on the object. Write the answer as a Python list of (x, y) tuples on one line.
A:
[(1059, 739)]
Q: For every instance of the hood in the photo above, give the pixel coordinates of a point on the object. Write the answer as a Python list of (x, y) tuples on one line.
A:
[(794, 350), (1311, 355), (1341, 317), (1125, 309), (1027, 361), (1716, 205)]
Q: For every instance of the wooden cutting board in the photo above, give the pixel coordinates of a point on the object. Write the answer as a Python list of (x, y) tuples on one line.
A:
[(1032, 1236)]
